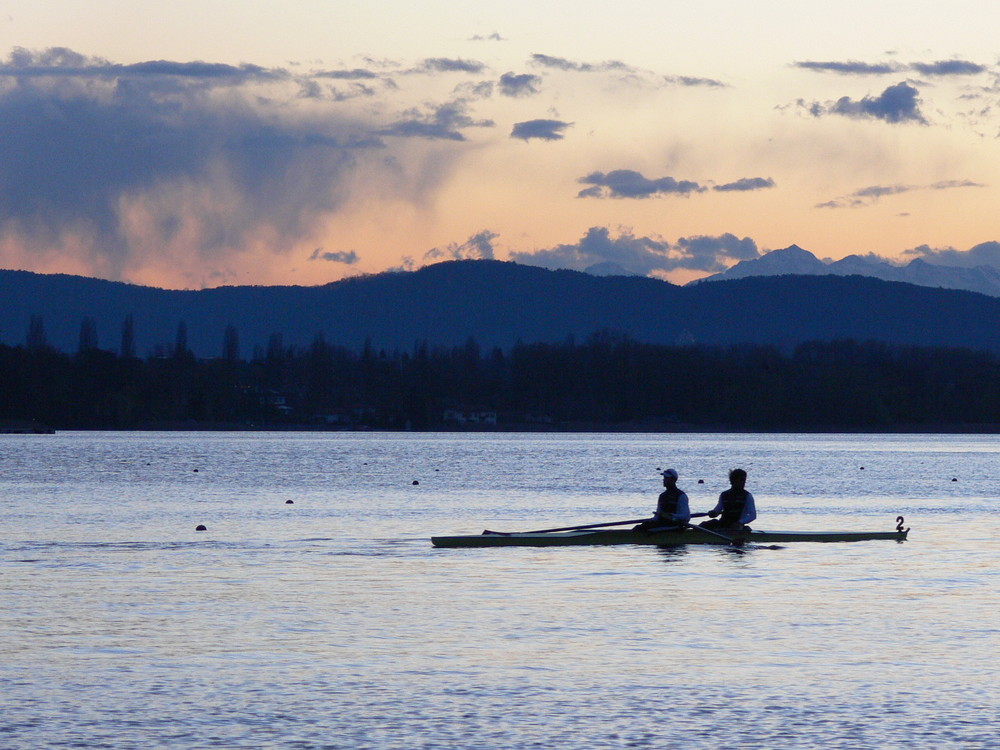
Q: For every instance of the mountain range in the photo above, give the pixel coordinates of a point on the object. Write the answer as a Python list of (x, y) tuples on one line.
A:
[(498, 304), (794, 260)]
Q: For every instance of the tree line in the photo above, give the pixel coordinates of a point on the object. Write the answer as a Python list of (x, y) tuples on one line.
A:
[(607, 381)]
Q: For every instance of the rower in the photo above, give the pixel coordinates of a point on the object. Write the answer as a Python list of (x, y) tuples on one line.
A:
[(672, 507), (736, 507)]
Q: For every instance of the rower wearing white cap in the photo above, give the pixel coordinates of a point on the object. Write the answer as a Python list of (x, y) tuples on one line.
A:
[(672, 508)]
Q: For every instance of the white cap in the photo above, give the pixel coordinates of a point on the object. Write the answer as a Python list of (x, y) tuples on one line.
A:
[(670, 473)]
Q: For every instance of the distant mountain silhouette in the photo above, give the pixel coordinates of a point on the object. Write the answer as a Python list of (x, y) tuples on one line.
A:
[(498, 304), (795, 260)]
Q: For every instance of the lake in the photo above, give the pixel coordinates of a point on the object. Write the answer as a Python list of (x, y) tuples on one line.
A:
[(331, 621)]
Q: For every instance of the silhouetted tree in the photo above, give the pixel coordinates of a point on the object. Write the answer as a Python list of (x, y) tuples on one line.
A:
[(36, 338), (128, 338), (231, 344), (181, 341), (88, 335)]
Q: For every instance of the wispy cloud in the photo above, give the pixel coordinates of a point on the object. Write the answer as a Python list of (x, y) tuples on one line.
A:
[(442, 122), (897, 104), (354, 74), (627, 183), (478, 247), (949, 68), (546, 130), (868, 196), (347, 257), (63, 63), (449, 65), (494, 37), (850, 67), (516, 85), (693, 81), (855, 67), (984, 254), (746, 184), (643, 255), (561, 63), (626, 71)]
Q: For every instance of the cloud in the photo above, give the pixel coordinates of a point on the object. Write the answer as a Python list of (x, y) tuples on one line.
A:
[(448, 65), (693, 81), (745, 184), (349, 257), (869, 196), (643, 255), (478, 247), (899, 103), (949, 68), (494, 37), (442, 122), (850, 67), (66, 64), (626, 183), (628, 73), (355, 74), (118, 169), (984, 254), (705, 253), (854, 67), (515, 85), (546, 130), (561, 63)]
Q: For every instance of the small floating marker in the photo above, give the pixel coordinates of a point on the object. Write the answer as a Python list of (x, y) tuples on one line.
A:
[(201, 527), (289, 502), (701, 481), (195, 471), (415, 482), (862, 468), (954, 479)]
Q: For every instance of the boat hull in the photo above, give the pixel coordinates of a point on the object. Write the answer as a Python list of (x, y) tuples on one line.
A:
[(656, 538)]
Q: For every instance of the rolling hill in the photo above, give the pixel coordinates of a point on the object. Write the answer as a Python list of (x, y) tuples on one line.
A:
[(498, 304)]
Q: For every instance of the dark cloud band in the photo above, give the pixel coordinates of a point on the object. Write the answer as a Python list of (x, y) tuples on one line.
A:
[(546, 130), (897, 104)]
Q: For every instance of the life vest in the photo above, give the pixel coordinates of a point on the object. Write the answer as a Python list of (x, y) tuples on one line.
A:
[(667, 504), (733, 503)]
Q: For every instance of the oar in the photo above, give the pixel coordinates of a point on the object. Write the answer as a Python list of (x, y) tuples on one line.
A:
[(586, 526), (590, 526), (734, 542)]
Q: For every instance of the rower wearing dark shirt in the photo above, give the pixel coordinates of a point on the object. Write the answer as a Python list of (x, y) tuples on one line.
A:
[(672, 507), (736, 507)]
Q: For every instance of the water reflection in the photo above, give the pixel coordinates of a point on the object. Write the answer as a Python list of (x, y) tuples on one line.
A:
[(337, 623)]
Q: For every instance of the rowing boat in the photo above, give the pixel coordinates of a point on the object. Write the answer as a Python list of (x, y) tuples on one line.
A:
[(671, 538)]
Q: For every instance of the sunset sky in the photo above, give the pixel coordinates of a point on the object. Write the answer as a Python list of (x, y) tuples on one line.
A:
[(196, 144)]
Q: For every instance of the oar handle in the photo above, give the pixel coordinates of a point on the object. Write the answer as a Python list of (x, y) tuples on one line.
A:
[(586, 526), (731, 540), (591, 525)]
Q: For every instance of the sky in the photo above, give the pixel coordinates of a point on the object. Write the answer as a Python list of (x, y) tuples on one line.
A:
[(221, 142)]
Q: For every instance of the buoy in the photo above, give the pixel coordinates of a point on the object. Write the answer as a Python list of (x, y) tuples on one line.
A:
[(195, 471), (415, 481), (862, 468), (289, 502), (954, 479), (201, 527), (701, 481)]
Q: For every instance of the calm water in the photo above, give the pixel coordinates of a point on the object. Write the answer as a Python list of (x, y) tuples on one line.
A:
[(332, 622)]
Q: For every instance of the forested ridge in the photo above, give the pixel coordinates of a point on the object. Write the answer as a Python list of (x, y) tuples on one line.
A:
[(608, 381), (498, 304)]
